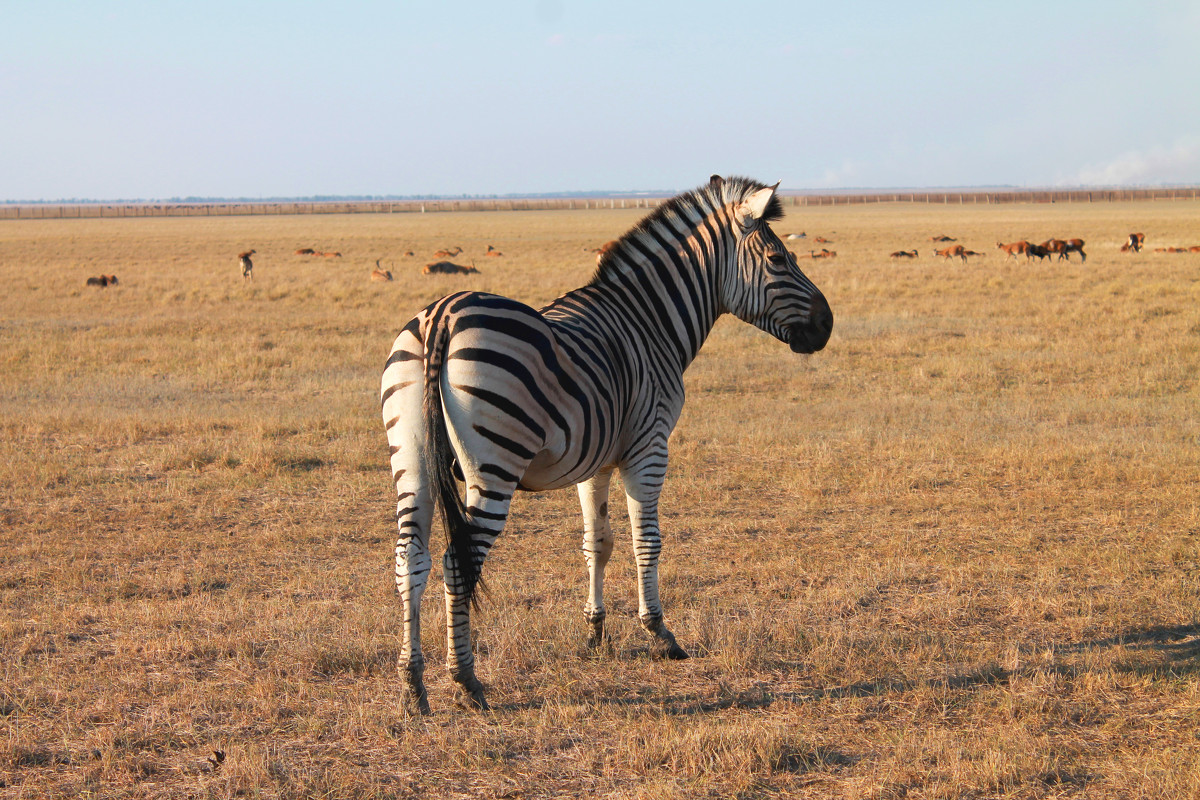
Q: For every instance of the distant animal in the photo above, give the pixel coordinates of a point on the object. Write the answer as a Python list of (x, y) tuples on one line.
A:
[(1014, 249), (1193, 249), (972, 253), (591, 385), (823, 254), (448, 268), (102, 280), (329, 255), (1074, 246), (450, 253), (904, 254), (379, 273), (1055, 247), (954, 251), (247, 265), (822, 240), (1174, 249), (1134, 242), (796, 236), (1038, 251), (491, 251), (603, 249), (306, 251), (942, 238), (409, 253)]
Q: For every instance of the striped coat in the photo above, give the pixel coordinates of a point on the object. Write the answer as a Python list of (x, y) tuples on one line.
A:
[(486, 390)]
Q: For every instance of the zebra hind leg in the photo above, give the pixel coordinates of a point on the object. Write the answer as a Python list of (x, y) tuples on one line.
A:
[(597, 548), (485, 512)]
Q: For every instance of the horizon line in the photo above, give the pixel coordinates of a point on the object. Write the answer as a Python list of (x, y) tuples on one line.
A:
[(596, 194)]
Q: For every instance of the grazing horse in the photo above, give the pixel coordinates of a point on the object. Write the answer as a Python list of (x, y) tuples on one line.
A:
[(247, 265), (448, 268), (1135, 242), (954, 251)]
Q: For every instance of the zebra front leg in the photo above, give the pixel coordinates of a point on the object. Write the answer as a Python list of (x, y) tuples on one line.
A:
[(643, 519), (597, 548)]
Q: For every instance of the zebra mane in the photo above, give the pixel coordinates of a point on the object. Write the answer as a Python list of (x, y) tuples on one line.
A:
[(677, 214)]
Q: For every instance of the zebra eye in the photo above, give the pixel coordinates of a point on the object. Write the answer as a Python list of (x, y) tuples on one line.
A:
[(777, 258)]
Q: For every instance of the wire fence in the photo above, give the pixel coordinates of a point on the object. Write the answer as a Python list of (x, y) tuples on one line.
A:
[(10, 211)]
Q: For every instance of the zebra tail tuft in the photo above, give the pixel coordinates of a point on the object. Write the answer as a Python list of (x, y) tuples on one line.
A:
[(439, 466)]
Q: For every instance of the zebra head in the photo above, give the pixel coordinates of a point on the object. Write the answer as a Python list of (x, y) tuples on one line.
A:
[(765, 286)]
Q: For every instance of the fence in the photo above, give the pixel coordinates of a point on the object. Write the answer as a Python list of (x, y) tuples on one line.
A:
[(227, 209)]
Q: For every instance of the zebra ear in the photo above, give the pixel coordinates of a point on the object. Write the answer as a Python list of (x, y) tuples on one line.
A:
[(756, 204)]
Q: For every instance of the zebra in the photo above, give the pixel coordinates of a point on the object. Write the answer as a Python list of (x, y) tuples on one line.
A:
[(486, 390)]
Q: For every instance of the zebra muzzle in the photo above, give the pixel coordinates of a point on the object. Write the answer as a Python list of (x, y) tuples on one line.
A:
[(811, 336)]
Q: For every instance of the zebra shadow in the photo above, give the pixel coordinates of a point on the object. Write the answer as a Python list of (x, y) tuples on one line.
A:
[(1154, 651)]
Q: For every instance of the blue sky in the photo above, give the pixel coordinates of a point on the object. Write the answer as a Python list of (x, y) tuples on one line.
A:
[(124, 100)]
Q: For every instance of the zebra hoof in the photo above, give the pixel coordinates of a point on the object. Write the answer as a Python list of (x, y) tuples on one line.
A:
[(669, 649), (676, 653), (419, 702), (416, 696), (470, 696)]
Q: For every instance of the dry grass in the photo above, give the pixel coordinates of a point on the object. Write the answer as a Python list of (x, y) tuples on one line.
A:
[(956, 554)]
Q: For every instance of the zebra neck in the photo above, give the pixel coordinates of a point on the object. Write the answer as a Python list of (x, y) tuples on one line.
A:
[(667, 302)]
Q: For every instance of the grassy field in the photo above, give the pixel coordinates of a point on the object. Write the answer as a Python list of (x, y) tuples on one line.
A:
[(954, 555)]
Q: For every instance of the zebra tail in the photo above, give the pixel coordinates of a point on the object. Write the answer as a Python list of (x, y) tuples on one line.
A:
[(439, 466)]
